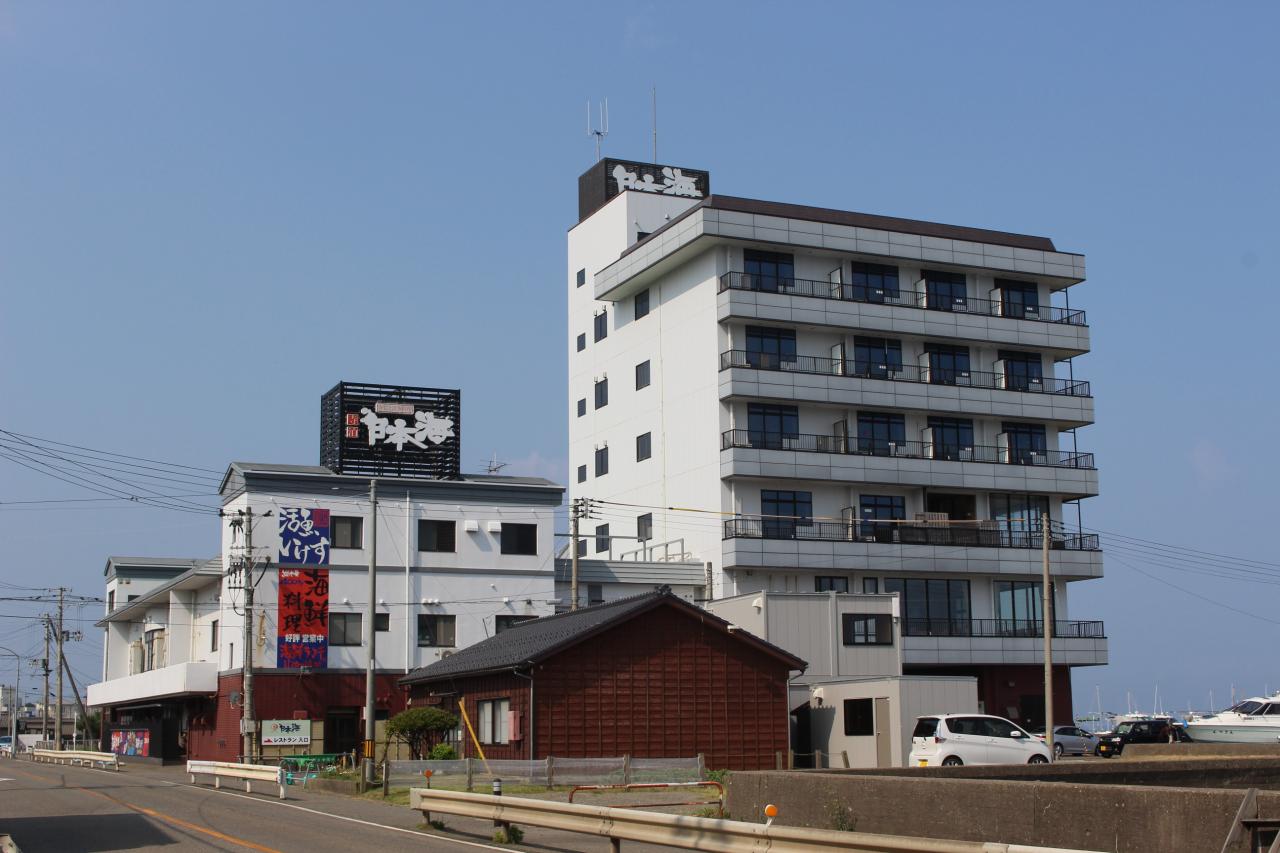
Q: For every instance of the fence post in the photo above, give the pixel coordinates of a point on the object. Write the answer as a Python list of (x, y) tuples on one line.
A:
[(818, 756), (470, 772), (844, 754), (702, 767), (551, 772), (791, 760), (626, 769), (777, 760), (386, 778)]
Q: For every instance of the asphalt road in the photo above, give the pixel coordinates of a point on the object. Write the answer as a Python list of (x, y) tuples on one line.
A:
[(59, 809)]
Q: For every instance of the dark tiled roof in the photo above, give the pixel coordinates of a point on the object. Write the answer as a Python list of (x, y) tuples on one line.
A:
[(538, 639)]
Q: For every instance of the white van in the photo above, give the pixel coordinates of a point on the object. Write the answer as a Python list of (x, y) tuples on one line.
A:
[(951, 740)]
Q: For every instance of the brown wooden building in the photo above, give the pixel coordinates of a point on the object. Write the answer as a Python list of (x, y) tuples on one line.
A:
[(650, 676)]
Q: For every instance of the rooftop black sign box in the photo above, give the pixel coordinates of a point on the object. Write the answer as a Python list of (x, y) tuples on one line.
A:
[(391, 431), (609, 177)]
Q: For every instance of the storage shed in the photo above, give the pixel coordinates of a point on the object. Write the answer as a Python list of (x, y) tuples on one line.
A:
[(651, 676)]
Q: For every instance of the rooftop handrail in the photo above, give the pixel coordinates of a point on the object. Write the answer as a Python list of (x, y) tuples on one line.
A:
[(1031, 628), (823, 366), (904, 295), (905, 449)]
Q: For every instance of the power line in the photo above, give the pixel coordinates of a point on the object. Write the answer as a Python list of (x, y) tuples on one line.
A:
[(108, 453)]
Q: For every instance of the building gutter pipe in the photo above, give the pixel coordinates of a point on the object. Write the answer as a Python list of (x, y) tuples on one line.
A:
[(516, 672)]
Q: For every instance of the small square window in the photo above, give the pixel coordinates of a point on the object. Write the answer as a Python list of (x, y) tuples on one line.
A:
[(582, 342), (582, 277), (642, 375), (582, 473), (519, 538), (602, 326), (595, 593), (382, 621), (644, 447), (602, 538), (867, 629), (859, 717), (437, 536), (644, 527), (582, 407), (582, 547), (344, 629), (828, 583), (871, 585), (437, 629), (347, 531), (642, 303), (602, 461), (602, 393)]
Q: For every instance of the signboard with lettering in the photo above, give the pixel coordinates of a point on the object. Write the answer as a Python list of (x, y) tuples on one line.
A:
[(304, 537), (302, 626), (609, 178), (391, 431), (286, 732), (131, 742)]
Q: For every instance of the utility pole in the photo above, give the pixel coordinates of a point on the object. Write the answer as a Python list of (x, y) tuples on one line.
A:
[(371, 634), (44, 664), (57, 723), (573, 535), (1047, 620), (75, 691), (246, 582)]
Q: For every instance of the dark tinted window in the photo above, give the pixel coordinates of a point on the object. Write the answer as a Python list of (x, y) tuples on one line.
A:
[(644, 527), (952, 438), (642, 375), (602, 325), (768, 425), (347, 531), (582, 407), (769, 270), (602, 461), (860, 717), (436, 629), (440, 536), (876, 357), (382, 621), (519, 538), (874, 282), (879, 433), (830, 583), (602, 393), (582, 342), (344, 629), (644, 447), (582, 473), (602, 538), (783, 510), (945, 291), (770, 348), (948, 365), (925, 727), (505, 621), (582, 277), (642, 303)]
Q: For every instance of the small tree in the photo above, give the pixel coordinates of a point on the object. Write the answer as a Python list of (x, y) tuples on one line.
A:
[(421, 728)]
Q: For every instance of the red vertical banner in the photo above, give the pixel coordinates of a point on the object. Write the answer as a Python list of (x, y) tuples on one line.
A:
[(302, 627)]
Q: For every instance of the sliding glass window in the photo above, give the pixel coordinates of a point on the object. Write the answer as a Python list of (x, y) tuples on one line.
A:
[(771, 349), (933, 608), (876, 358), (771, 271)]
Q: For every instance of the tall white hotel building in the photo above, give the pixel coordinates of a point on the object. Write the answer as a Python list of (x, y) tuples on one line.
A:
[(839, 401)]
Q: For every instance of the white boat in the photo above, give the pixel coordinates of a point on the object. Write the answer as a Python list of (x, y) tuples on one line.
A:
[(1255, 720)]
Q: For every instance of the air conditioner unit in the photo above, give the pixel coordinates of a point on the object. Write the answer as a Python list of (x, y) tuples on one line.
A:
[(471, 525), (494, 526)]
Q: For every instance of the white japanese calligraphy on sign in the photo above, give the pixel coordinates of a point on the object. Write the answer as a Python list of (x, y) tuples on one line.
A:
[(304, 536), (674, 182), (426, 427)]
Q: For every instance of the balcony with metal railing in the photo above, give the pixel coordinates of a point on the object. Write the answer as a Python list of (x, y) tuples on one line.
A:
[(976, 534), (920, 374), (905, 296), (1012, 628), (938, 451)]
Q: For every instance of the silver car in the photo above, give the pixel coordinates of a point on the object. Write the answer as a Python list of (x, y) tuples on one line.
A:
[(1070, 740)]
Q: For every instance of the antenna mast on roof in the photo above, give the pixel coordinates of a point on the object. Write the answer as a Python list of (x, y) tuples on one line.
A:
[(493, 466), (655, 125), (601, 130)]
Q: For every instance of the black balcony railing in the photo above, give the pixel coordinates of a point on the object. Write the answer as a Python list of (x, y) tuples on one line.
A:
[(1031, 628), (905, 297), (977, 534), (820, 366), (805, 443)]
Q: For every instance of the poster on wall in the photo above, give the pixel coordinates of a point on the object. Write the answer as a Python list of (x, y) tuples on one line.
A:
[(131, 742), (286, 732), (302, 632), (304, 536)]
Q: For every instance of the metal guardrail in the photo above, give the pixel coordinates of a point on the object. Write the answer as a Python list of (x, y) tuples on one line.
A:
[(76, 756), (684, 832), (904, 449), (248, 773), (903, 296), (920, 374)]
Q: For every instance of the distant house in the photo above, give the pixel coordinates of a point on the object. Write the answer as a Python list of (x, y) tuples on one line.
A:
[(651, 676)]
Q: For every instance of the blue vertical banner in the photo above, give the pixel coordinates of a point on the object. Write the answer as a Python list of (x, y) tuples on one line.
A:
[(302, 612)]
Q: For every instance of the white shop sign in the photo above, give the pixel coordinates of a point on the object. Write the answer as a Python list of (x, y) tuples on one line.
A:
[(286, 732)]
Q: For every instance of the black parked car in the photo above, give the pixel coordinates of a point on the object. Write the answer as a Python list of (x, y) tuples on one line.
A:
[(1140, 731)]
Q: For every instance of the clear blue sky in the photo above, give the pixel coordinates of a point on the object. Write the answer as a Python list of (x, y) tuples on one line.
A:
[(211, 212)]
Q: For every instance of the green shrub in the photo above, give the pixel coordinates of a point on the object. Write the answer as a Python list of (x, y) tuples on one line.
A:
[(442, 752), (509, 835), (421, 728)]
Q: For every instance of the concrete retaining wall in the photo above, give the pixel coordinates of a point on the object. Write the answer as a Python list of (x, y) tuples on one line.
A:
[(1117, 818), (1201, 750)]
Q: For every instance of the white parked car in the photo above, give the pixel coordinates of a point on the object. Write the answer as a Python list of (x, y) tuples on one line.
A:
[(951, 740)]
